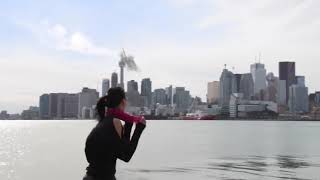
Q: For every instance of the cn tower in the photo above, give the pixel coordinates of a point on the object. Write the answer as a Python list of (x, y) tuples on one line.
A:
[(122, 65)]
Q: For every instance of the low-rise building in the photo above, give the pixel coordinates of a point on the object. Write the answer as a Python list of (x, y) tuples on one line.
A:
[(87, 99), (241, 108), (30, 114), (4, 115), (163, 110)]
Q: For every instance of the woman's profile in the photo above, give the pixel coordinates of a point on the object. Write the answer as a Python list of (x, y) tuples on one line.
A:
[(110, 140)]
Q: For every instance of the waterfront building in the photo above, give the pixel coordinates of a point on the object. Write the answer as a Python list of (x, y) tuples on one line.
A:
[(213, 92), (44, 106), (298, 97), (87, 98), (247, 86), (234, 101), (314, 100), (14, 116), (213, 110), (87, 113), (146, 91), (317, 99), (242, 108), (287, 72), (30, 114), (105, 87), (259, 72), (4, 115), (61, 105), (163, 110), (67, 105), (114, 80), (70, 106)]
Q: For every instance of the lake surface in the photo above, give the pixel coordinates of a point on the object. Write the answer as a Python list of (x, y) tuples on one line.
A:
[(178, 150)]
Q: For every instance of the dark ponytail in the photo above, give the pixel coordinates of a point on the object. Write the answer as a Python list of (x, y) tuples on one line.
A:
[(101, 108), (112, 100)]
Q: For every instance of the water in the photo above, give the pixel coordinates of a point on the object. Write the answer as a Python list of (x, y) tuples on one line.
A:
[(54, 150)]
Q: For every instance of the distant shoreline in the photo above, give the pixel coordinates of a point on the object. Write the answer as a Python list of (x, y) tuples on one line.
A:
[(284, 120)]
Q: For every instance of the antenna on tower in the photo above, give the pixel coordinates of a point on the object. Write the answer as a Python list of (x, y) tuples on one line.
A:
[(259, 57), (97, 85)]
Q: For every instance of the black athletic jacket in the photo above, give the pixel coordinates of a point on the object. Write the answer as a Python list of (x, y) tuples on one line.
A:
[(104, 147)]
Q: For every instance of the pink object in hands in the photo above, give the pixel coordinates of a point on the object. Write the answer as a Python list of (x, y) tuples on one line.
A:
[(124, 116)]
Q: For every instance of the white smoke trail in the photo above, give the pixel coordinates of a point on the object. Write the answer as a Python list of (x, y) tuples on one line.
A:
[(128, 62)]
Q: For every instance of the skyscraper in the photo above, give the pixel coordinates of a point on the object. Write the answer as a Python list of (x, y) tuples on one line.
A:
[(114, 80), (159, 96), (146, 91), (132, 86), (272, 87), (87, 99), (213, 92), (121, 65), (105, 87), (133, 95), (287, 72), (300, 80), (227, 87), (44, 106), (259, 73), (169, 93), (247, 86), (281, 93), (298, 97), (181, 99), (238, 81)]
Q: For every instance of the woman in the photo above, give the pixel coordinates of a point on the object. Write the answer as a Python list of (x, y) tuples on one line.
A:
[(110, 140)]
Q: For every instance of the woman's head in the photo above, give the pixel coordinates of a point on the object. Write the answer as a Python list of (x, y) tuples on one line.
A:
[(116, 98)]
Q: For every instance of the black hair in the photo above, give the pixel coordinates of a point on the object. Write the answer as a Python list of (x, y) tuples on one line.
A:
[(112, 100)]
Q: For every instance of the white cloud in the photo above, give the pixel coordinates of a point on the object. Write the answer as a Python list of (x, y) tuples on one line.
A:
[(76, 42), (32, 72), (58, 31)]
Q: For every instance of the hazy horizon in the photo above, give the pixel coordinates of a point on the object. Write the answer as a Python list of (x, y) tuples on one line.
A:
[(59, 46)]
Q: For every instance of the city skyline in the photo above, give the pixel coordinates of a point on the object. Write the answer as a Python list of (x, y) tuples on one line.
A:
[(52, 49), (234, 94)]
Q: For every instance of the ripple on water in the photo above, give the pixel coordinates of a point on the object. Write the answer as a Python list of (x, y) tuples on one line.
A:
[(253, 167)]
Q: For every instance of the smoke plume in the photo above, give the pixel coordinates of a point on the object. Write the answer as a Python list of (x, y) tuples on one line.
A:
[(128, 62)]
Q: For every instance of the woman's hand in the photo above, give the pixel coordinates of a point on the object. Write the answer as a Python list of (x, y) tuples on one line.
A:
[(143, 121)]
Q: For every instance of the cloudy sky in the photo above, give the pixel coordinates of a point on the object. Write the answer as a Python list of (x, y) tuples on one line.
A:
[(62, 46)]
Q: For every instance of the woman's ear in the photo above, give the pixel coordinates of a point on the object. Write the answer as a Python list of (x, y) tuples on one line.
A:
[(123, 104)]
